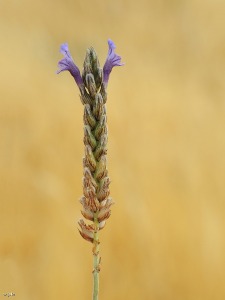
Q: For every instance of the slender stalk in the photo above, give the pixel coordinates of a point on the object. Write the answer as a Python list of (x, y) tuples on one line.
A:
[(96, 261)]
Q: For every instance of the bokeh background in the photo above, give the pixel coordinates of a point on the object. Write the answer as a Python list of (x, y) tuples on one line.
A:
[(166, 118)]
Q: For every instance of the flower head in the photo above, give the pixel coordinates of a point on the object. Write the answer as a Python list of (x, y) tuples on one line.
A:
[(112, 60), (67, 64)]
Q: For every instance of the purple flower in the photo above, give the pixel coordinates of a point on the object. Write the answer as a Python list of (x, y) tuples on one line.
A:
[(112, 60), (67, 64)]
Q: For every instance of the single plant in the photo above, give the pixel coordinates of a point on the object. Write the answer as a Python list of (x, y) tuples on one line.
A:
[(95, 200)]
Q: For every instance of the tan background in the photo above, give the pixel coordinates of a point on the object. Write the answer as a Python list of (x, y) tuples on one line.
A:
[(166, 116)]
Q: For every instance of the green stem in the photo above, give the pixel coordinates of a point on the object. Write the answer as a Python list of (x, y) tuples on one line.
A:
[(96, 261)]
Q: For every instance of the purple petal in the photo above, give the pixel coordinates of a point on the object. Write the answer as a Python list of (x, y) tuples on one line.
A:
[(67, 64), (112, 60), (64, 48)]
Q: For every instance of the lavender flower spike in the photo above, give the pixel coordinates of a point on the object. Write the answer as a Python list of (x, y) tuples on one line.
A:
[(67, 64), (112, 60), (96, 203)]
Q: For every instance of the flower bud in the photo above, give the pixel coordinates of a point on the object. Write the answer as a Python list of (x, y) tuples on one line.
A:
[(89, 138)]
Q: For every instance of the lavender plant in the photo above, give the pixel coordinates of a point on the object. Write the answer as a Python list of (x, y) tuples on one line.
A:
[(96, 203)]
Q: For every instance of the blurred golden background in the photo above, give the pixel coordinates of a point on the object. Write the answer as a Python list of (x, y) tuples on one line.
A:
[(165, 239)]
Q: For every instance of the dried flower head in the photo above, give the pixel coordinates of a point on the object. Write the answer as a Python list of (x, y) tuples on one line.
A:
[(92, 84)]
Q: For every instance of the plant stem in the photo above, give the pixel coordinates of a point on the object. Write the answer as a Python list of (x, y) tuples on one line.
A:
[(96, 261)]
